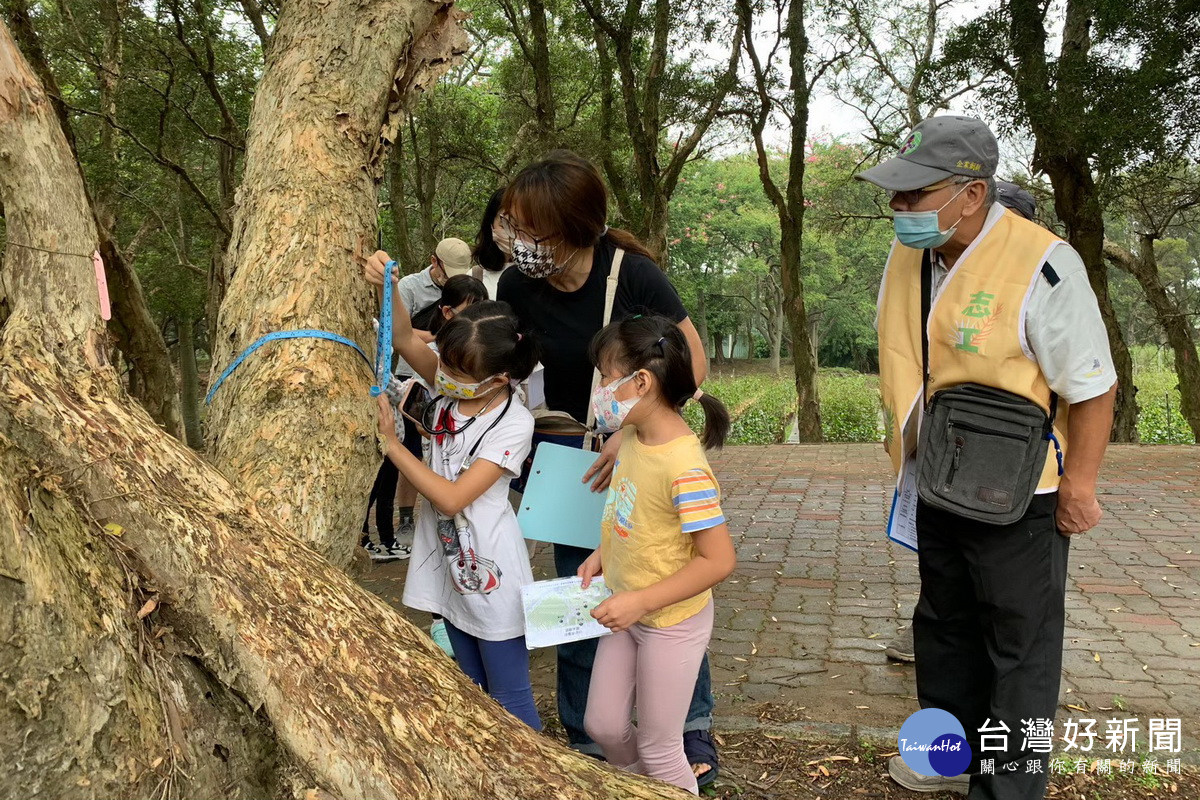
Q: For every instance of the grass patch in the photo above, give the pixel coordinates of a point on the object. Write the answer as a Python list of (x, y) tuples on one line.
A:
[(762, 404)]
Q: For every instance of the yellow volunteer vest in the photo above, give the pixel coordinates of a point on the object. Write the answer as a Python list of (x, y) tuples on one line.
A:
[(976, 330)]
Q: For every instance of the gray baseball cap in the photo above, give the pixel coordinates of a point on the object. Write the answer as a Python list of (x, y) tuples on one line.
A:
[(937, 149), (1013, 196)]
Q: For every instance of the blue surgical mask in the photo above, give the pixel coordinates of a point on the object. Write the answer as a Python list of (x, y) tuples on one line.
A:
[(921, 230)]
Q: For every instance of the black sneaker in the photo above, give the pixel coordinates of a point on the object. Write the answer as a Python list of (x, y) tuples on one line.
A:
[(381, 553)]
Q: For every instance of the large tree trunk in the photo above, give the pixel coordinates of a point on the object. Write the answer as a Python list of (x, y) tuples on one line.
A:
[(1060, 150), (151, 379), (293, 425), (1175, 324), (256, 668), (94, 703)]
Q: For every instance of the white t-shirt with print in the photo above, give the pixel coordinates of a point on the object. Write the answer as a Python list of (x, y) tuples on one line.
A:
[(474, 580)]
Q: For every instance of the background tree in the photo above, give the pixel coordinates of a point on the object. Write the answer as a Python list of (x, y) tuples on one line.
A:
[(1163, 199), (894, 76), (1118, 88), (787, 19), (656, 90)]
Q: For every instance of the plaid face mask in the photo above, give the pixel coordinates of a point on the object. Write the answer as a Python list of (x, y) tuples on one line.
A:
[(536, 260)]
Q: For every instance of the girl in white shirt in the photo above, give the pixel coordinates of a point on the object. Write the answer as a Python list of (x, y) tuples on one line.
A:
[(469, 560)]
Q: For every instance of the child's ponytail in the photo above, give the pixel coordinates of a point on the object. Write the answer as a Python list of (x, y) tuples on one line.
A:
[(657, 345), (716, 421)]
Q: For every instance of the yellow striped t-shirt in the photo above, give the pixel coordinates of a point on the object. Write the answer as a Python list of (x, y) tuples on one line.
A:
[(660, 496)]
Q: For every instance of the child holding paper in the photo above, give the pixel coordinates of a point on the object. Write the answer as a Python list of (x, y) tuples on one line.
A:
[(469, 560), (664, 544)]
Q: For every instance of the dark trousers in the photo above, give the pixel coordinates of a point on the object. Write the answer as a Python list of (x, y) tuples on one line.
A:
[(575, 658), (988, 630), (383, 493), (500, 668), (383, 499)]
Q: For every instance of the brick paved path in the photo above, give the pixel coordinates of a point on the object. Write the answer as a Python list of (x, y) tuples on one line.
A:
[(819, 590), (818, 587)]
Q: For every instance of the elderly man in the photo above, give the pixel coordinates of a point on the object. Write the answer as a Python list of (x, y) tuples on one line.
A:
[(1011, 196), (1006, 305)]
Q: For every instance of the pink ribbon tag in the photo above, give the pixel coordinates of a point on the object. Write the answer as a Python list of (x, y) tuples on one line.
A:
[(102, 286)]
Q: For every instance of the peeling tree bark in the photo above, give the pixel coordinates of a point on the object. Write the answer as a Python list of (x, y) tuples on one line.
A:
[(90, 705), (294, 425), (260, 670), (151, 378)]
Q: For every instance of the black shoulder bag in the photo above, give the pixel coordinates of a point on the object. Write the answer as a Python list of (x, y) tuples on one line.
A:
[(981, 450)]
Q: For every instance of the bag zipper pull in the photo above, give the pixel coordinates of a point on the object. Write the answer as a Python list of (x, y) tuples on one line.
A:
[(959, 443)]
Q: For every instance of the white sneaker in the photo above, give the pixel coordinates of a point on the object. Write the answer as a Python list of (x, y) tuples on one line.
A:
[(904, 775), (399, 552)]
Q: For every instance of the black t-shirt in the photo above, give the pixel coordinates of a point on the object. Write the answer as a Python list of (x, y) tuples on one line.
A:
[(565, 322)]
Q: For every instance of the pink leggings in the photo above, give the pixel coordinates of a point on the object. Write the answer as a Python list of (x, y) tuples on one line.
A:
[(658, 667)]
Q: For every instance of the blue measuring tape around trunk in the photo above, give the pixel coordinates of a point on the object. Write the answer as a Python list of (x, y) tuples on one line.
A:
[(383, 345), (383, 351)]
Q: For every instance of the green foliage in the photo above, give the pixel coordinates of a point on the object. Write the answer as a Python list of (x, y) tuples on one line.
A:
[(849, 407), (1158, 398), (762, 407), (759, 405), (846, 244)]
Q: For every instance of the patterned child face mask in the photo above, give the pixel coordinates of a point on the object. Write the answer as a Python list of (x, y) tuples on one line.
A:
[(610, 412), (448, 387)]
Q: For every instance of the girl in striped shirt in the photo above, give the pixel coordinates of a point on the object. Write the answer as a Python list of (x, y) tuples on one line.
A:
[(664, 544)]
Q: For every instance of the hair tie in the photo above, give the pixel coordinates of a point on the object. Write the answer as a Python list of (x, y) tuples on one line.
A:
[(661, 344), (699, 393), (520, 336)]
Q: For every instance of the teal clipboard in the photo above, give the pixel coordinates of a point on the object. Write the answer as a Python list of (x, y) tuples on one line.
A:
[(557, 505)]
